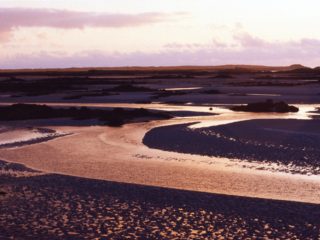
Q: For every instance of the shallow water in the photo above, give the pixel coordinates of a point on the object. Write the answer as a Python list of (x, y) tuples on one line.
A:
[(182, 88), (19, 135), (92, 151)]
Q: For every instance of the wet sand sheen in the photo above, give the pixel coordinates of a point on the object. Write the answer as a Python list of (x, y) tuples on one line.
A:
[(118, 155), (278, 145)]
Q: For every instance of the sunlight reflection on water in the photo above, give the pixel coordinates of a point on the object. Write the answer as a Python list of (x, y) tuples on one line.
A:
[(228, 116)]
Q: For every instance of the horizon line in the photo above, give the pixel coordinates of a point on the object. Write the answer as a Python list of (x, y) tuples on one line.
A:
[(296, 66)]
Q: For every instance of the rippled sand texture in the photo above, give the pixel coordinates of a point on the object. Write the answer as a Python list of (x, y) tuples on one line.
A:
[(61, 207), (290, 143)]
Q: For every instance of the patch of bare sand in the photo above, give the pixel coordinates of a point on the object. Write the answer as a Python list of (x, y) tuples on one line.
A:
[(66, 207), (117, 154)]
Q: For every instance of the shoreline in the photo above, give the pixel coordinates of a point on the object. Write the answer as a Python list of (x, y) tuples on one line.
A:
[(32, 141)]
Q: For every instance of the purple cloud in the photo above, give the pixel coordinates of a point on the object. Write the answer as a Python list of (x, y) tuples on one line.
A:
[(248, 41), (245, 49), (11, 18), (248, 49)]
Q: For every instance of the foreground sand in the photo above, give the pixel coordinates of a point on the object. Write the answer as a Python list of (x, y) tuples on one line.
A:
[(61, 207)]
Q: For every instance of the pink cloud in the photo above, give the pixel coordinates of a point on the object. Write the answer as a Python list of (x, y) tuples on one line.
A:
[(5, 36), (11, 18), (247, 40)]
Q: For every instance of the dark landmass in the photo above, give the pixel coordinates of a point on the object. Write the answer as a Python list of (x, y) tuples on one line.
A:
[(293, 143), (268, 83), (165, 93), (267, 106), (61, 207), (138, 70), (115, 117), (131, 88), (275, 76), (95, 93), (212, 91), (146, 84), (125, 87), (39, 87), (223, 76)]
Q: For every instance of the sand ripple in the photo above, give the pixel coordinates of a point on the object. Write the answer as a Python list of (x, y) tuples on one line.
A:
[(291, 144), (59, 207)]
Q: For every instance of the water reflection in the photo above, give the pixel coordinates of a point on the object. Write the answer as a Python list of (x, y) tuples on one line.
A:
[(181, 89)]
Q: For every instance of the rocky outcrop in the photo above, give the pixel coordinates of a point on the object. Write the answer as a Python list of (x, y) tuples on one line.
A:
[(267, 106)]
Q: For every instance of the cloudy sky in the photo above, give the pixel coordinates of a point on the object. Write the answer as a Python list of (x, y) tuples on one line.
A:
[(76, 33)]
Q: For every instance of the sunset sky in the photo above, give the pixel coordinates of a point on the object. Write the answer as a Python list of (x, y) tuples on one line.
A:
[(76, 33)]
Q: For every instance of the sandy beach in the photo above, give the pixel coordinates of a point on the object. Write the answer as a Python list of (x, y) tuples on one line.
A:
[(77, 208)]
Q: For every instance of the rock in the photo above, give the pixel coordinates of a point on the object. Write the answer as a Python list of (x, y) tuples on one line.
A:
[(267, 106)]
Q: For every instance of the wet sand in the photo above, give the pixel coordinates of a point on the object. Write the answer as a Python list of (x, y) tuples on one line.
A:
[(60, 207), (290, 143), (117, 154), (13, 136)]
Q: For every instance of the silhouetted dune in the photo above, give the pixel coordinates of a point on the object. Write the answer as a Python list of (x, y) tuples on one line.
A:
[(139, 70)]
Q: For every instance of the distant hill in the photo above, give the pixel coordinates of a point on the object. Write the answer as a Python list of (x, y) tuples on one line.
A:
[(160, 69)]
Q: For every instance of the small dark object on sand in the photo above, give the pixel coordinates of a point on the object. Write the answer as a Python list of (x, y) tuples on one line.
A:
[(267, 106), (2, 193), (212, 91)]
